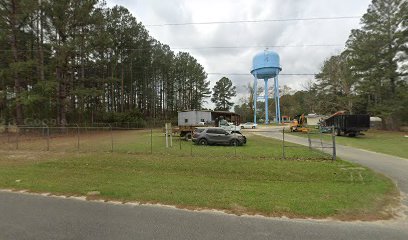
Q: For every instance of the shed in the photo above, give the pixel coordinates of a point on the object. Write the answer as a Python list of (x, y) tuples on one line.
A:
[(376, 122), (313, 119)]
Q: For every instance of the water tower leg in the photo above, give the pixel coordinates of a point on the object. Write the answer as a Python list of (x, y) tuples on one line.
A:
[(255, 96), (276, 96), (266, 102), (277, 99)]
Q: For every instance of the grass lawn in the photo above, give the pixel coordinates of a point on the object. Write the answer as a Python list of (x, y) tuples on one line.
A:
[(388, 142), (252, 181)]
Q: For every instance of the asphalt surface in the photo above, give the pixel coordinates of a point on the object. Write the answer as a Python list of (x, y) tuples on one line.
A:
[(30, 216), (26, 216)]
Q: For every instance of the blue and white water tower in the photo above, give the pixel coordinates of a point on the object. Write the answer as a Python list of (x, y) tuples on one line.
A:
[(266, 65)]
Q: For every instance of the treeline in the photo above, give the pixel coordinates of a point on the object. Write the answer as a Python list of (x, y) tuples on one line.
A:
[(370, 76), (79, 61)]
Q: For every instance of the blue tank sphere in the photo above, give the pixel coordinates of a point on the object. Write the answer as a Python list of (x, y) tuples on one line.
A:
[(266, 65)]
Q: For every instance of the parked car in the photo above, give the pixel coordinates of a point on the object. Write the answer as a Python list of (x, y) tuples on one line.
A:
[(248, 125), (217, 136)]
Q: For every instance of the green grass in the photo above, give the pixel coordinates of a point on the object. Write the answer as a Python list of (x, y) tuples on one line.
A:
[(388, 142), (252, 181)]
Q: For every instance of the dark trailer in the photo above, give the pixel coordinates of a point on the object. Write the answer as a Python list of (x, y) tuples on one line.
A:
[(349, 124)]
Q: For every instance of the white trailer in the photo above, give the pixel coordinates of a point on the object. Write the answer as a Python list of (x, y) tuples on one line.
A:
[(194, 118), (188, 120)]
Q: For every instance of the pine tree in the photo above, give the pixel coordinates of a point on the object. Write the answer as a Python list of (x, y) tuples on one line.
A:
[(223, 91), (335, 84), (376, 51)]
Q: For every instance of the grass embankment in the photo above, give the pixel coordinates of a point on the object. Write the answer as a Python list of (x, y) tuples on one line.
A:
[(388, 142), (247, 183)]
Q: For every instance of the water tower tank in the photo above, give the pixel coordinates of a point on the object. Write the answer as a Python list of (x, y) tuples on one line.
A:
[(266, 65)]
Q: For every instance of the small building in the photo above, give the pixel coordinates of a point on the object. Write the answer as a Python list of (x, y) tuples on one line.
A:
[(313, 119), (375, 122)]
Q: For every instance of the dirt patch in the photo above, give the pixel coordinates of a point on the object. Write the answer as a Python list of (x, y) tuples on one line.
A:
[(21, 157)]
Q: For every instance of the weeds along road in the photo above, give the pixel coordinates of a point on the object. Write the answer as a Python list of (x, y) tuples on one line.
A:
[(30, 216)]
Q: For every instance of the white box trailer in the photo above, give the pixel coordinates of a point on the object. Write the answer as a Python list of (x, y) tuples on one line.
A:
[(188, 120), (194, 118)]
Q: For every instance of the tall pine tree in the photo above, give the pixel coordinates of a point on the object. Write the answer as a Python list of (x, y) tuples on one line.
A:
[(376, 52), (223, 91)]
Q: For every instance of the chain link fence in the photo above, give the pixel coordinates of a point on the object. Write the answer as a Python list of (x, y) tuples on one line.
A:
[(314, 141), (131, 139)]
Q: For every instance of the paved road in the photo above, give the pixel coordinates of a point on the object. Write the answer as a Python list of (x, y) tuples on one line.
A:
[(28, 216)]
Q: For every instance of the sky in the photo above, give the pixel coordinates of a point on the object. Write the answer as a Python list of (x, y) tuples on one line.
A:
[(250, 38)]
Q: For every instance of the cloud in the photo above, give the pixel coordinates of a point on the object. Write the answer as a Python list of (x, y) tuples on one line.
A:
[(238, 60)]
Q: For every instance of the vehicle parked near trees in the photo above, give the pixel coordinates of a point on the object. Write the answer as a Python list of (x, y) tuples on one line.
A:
[(217, 136), (189, 120)]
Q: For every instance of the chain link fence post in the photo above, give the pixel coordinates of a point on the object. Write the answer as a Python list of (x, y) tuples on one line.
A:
[(334, 144), (17, 136), (191, 145), (111, 136), (8, 134), (48, 136), (283, 143), (151, 141), (180, 140), (77, 136), (309, 139)]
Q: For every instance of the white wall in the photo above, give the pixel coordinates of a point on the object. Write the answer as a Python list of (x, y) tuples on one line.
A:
[(193, 118)]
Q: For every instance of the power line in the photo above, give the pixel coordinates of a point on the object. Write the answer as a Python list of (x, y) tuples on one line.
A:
[(257, 46), (247, 74), (255, 21), (203, 48)]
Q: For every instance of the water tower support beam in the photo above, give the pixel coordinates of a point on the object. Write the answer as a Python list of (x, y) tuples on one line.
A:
[(266, 102), (278, 113), (255, 97), (274, 97)]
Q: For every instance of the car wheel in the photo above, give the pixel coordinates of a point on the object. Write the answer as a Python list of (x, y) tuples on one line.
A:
[(242, 127), (203, 141), (188, 136), (234, 142), (253, 127)]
